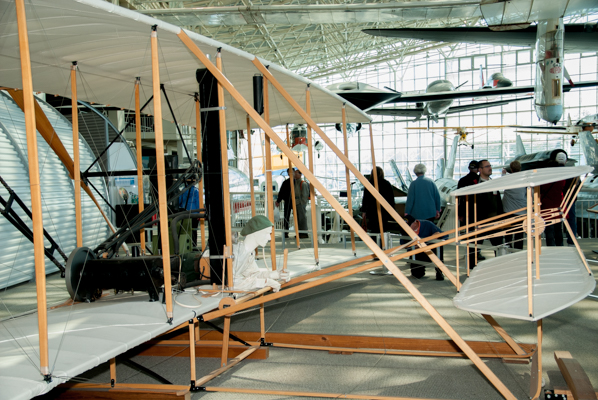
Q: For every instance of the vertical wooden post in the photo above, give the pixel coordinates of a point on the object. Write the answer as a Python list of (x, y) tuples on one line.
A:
[(530, 248), (293, 200), (475, 219), (192, 350), (76, 158), (225, 337), (112, 363), (538, 239), (34, 185), (312, 192), (269, 191), (262, 320), (380, 224), (536, 373), (457, 242), (466, 230), (225, 184), (139, 160), (348, 176), (199, 143), (159, 137), (250, 156)]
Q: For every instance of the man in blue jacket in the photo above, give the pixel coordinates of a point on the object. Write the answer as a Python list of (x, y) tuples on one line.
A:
[(423, 199), (424, 229)]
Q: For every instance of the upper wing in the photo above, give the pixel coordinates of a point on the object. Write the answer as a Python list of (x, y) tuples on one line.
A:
[(578, 37)]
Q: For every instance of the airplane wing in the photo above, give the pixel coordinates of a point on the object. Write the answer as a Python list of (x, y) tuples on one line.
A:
[(417, 112), (578, 37), (464, 94), (398, 112)]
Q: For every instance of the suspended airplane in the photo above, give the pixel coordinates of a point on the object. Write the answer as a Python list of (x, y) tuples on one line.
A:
[(585, 124), (433, 104), (508, 26)]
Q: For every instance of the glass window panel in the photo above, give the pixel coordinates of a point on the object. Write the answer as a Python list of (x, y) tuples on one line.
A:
[(523, 56), (509, 58), (465, 63)]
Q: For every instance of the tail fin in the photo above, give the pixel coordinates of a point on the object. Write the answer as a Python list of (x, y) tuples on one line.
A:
[(450, 165), (481, 77), (519, 148), (408, 177), (590, 149), (401, 182), (440, 168)]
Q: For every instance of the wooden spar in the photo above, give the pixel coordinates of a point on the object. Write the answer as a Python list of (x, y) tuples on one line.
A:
[(192, 350), (574, 239), (44, 127), (112, 363), (530, 247), (339, 209), (293, 200), (199, 143), (347, 175), (538, 239), (457, 242), (250, 156), (312, 191), (225, 340), (475, 219), (467, 267), (503, 334), (161, 172), (76, 158), (296, 393), (537, 365), (269, 191), (34, 185), (375, 173), (352, 167), (139, 160), (225, 183)]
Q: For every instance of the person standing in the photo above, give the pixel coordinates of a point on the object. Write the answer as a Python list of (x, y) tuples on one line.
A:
[(472, 178), (488, 204), (551, 196), (301, 199), (424, 229), (369, 209), (423, 199), (514, 199), (284, 194)]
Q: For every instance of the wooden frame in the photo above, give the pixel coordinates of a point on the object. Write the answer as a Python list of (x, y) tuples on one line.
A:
[(367, 240)]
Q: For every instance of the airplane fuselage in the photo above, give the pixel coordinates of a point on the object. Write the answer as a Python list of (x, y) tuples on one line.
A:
[(439, 107), (548, 93)]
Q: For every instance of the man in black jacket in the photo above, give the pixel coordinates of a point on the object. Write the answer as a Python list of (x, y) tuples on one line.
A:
[(489, 204), (472, 178), (284, 194)]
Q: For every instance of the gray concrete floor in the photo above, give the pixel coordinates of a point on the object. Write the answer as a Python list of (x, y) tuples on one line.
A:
[(365, 304)]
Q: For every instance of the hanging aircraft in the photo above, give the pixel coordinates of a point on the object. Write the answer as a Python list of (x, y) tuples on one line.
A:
[(588, 124), (507, 27), (436, 102)]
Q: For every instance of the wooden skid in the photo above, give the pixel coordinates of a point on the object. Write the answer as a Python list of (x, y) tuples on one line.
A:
[(82, 391), (576, 378), (307, 394), (367, 344), (213, 350)]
